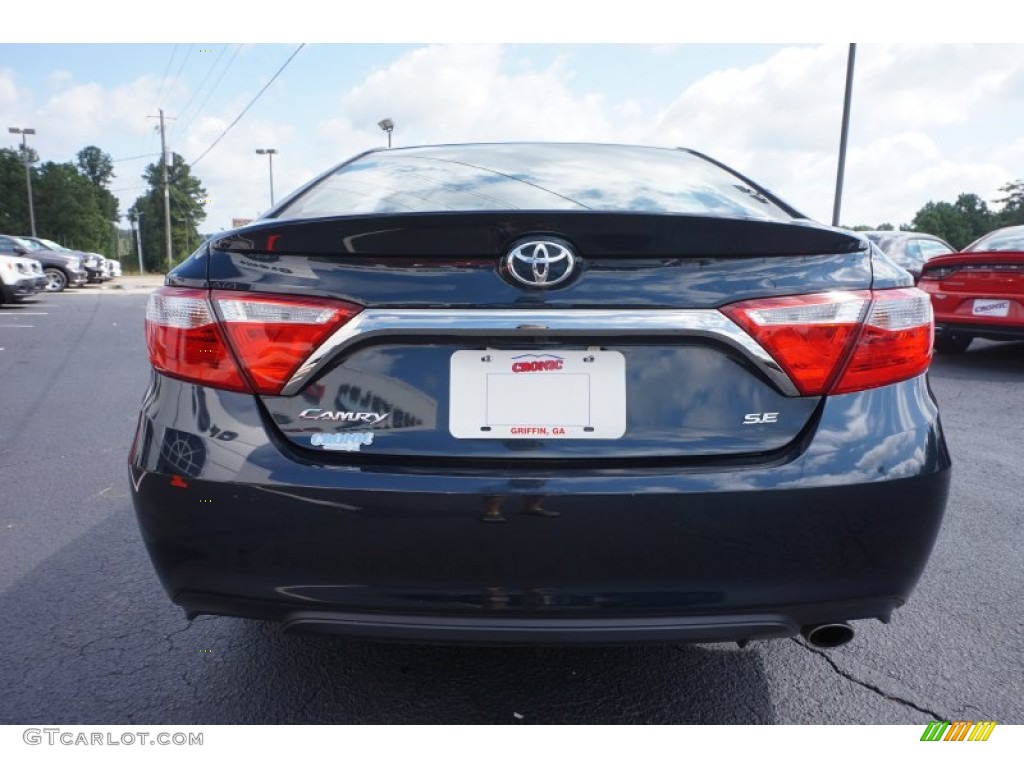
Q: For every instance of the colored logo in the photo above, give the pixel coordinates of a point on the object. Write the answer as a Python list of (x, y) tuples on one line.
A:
[(960, 730), (552, 363)]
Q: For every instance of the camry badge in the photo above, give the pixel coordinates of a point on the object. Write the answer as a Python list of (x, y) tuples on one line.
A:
[(318, 414), (540, 263)]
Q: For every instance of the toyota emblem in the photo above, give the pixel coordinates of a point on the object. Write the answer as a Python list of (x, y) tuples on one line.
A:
[(540, 263)]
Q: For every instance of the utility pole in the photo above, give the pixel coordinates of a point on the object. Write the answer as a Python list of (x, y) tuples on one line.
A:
[(138, 239), (844, 133), (167, 191)]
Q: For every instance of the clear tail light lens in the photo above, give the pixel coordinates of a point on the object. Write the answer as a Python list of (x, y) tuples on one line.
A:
[(255, 345), (831, 343)]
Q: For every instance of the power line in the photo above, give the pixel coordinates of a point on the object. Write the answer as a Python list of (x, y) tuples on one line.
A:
[(163, 80), (134, 157), (177, 75), (183, 126), (202, 82), (247, 106)]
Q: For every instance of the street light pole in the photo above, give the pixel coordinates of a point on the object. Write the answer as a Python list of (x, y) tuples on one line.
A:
[(270, 156), (25, 133), (843, 135), (388, 126)]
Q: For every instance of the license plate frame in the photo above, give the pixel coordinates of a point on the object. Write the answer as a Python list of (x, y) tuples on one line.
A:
[(497, 394), (990, 308)]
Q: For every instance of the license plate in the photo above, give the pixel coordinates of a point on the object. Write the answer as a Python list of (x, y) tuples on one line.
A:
[(537, 395), (991, 307)]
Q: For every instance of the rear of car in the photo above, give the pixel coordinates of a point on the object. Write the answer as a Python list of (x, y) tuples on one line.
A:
[(979, 292), (910, 250), (539, 393)]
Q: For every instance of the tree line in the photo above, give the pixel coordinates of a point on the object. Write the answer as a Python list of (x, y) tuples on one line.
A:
[(74, 206), (967, 218)]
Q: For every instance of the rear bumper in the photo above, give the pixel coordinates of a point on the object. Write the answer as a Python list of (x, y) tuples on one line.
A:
[(495, 629), (986, 330), (841, 530)]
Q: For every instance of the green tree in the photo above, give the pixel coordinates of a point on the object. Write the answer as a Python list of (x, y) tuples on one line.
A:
[(68, 209), (885, 227), (187, 211), (1012, 211), (72, 205), (96, 165), (13, 197), (957, 223)]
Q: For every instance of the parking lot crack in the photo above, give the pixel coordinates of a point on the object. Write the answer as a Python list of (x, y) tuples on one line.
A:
[(869, 686)]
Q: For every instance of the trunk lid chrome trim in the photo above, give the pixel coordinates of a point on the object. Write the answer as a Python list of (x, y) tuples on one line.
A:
[(562, 323)]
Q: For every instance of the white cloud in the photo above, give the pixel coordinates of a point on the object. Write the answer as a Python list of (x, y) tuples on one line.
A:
[(929, 121), (447, 94), (86, 113), (913, 111), (8, 90)]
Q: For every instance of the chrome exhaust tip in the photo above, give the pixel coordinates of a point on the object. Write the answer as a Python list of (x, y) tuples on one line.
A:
[(827, 635)]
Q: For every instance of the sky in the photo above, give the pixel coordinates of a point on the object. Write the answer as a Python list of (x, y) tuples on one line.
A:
[(929, 120)]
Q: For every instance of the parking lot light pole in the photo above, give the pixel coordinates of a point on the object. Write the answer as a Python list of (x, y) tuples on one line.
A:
[(388, 126), (270, 156), (25, 133), (844, 135)]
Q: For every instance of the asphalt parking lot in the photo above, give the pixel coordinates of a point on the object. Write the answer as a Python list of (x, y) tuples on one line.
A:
[(90, 637)]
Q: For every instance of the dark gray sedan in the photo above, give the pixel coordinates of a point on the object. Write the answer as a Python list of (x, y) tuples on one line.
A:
[(911, 250)]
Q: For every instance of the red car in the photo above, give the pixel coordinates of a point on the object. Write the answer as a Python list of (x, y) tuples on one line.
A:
[(978, 292)]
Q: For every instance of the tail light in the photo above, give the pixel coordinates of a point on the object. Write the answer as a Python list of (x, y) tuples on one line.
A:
[(831, 343), (247, 342), (937, 273)]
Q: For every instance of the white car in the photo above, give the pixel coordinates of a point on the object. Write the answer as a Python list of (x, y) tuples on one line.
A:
[(115, 267), (103, 267), (19, 277)]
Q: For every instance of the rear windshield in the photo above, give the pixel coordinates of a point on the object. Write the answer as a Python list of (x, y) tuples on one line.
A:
[(557, 177), (1010, 240)]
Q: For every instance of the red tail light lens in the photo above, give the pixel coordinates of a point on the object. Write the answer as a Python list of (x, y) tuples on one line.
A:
[(830, 343), (896, 343), (269, 336)]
